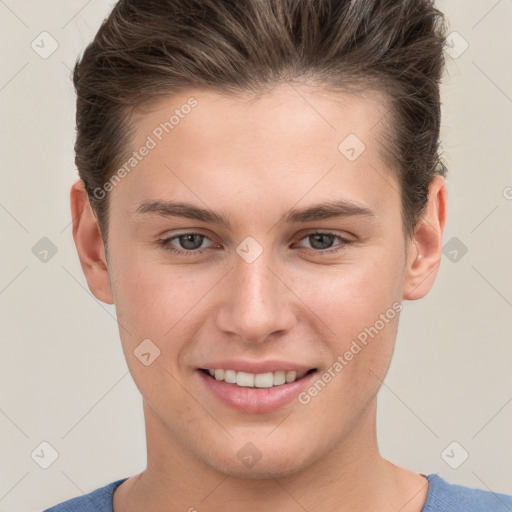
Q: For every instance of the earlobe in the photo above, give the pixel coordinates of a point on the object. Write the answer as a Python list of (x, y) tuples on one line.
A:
[(424, 252), (89, 244)]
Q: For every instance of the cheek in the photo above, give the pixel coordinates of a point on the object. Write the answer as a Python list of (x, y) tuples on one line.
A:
[(153, 303), (153, 295), (352, 295), (360, 304), (160, 302)]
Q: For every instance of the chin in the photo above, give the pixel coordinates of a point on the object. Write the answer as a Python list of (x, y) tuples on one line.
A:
[(246, 461)]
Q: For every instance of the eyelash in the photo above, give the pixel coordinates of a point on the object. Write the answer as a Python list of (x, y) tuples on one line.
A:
[(166, 243)]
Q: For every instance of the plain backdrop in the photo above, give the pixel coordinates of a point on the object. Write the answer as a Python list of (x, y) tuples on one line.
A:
[(63, 377)]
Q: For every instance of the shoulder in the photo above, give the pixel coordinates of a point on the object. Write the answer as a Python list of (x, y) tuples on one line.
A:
[(446, 497), (98, 500)]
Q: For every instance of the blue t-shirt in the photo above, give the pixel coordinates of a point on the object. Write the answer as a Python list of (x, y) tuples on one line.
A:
[(442, 497)]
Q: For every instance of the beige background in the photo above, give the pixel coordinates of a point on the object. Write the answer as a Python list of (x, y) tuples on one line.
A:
[(63, 376)]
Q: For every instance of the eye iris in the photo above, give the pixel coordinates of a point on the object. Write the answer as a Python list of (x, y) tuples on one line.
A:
[(187, 241), (323, 238)]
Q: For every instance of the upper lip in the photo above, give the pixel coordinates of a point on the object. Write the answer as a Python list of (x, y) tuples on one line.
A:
[(256, 367)]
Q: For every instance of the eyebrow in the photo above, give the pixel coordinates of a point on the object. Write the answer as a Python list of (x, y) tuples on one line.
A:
[(322, 211)]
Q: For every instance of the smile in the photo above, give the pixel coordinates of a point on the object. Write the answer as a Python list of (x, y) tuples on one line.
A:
[(255, 393), (257, 380)]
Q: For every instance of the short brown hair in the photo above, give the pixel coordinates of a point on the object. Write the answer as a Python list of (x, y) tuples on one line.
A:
[(147, 49)]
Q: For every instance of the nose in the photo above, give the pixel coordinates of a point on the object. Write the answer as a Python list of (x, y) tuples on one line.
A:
[(256, 303)]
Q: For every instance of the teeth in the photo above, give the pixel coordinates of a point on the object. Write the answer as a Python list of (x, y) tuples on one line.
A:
[(291, 376), (244, 379), (279, 378), (230, 376), (264, 380), (259, 380)]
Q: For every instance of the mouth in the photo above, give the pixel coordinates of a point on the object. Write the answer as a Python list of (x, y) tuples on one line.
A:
[(256, 380), (256, 393)]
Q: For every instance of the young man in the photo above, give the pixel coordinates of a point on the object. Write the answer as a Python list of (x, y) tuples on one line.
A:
[(260, 190)]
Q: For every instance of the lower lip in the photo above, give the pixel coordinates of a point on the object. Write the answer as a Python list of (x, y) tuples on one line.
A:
[(256, 400)]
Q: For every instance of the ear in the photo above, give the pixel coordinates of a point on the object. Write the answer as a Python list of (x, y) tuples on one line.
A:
[(89, 244), (424, 251)]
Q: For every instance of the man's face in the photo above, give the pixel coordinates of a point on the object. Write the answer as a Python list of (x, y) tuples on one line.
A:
[(270, 290)]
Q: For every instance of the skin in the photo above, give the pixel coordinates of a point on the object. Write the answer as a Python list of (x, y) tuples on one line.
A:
[(254, 159)]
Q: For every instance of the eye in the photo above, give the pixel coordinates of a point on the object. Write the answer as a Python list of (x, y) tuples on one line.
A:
[(189, 243), (322, 241)]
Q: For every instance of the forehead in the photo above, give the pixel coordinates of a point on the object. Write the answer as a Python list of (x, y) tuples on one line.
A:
[(289, 143), (285, 112)]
